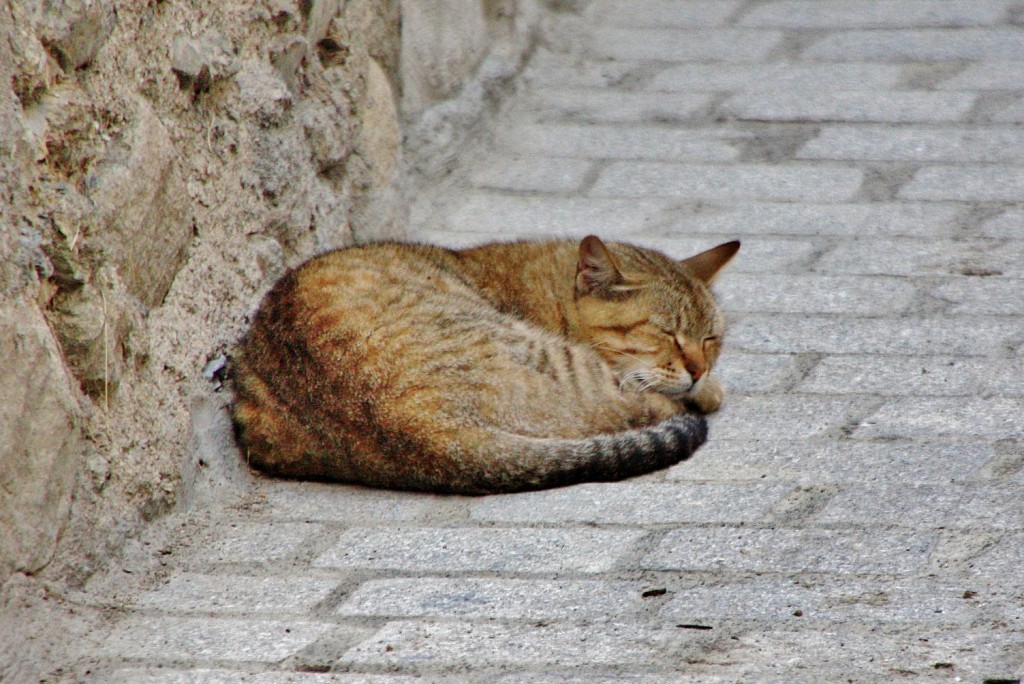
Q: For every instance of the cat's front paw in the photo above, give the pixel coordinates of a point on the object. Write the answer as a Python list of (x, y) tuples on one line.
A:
[(661, 407), (708, 398)]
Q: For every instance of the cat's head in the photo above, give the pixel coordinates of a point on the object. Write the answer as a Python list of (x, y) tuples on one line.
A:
[(651, 317)]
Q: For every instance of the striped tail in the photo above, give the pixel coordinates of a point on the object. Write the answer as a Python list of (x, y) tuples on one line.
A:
[(519, 463)]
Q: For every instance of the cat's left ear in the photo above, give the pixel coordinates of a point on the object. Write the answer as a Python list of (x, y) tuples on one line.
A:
[(596, 268), (706, 265)]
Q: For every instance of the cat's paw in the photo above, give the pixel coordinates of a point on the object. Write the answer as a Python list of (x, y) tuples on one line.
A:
[(708, 398), (661, 406)]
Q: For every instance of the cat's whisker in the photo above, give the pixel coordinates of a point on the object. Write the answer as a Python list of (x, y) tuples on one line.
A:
[(635, 375)]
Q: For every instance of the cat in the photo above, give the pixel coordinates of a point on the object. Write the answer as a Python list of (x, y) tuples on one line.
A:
[(499, 368)]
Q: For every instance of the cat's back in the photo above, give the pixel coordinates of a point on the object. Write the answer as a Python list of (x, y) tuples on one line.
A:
[(360, 287)]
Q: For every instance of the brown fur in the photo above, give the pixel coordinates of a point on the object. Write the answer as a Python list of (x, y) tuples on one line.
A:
[(499, 368)]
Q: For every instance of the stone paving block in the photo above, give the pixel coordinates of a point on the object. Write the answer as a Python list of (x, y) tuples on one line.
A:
[(875, 654), (814, 294), (618, 142), (920, 257), (534, 174), (788, 602), (987, 296), (258, 542), (939, 418), (836, 14), (898, 376), (210, 676), (1014, 114), (675, 45), (661, 13), (800, 333), (311, 501), (796, 416), (996, 43), (886, 143), (596, 105), (788, 76), (166, 638), (746, 373), (475, 549), (556, 676), (1005, 558), (1009, 224), (510, 216), (746, 182), (1005, 378), (954, 506), (809, 462), (438, 645), (989, 75), (494, 598), (881, 219), (556, 68), (632, 504), (859, 106), (792, 550), (995, 183), (191, 592)]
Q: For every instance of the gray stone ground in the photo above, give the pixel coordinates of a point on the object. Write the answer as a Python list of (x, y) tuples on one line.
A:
[(858, 514)]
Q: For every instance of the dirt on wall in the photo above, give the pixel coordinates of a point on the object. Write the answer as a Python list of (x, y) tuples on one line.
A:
[(163, 162)]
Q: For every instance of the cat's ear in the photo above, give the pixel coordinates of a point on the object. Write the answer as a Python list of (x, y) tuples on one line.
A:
[(596, 268), (706, 265)]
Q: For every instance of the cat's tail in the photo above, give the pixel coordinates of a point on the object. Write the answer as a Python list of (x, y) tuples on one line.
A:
[(521, 463)]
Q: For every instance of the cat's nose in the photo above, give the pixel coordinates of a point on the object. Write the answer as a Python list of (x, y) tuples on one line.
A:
[(694, 370)]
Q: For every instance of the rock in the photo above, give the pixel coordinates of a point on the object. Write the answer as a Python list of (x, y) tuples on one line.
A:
[(443, 42), (75, 30), (380, 136), (288, 55), (262, 94), (59, 127), (39, 439), (30, 254), (329, 217), (319, 14), (141, 198), (93, 323), (200, 62), (327, 133), (65, 218), (378, 211), (214, 469)]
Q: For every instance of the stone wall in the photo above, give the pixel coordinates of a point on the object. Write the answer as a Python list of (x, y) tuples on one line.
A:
[(163, 162)]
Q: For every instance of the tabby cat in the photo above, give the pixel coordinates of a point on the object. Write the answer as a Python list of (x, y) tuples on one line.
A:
[(498, 368)]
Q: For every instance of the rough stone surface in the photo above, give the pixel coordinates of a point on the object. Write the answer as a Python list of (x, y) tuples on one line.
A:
[(162, 164), (855, 515), (39, 440)]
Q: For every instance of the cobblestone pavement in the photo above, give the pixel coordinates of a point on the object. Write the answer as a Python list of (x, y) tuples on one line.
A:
[(858, 513)]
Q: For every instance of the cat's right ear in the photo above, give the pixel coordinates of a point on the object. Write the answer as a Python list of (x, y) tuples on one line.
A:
[(596, 268), (706, 265)]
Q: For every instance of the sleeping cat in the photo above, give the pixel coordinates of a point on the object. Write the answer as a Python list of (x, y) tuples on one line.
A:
[(499, 368)]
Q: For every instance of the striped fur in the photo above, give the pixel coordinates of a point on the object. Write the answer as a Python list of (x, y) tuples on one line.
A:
[(501, 368)]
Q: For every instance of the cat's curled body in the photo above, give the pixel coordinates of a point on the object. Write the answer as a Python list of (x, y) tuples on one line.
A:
[(499, 368)]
